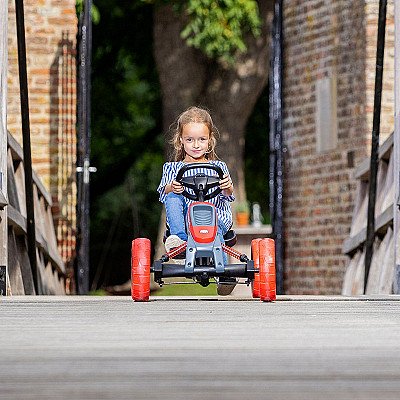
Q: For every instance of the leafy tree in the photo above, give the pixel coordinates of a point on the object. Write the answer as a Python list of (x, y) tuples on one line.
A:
[(228, 84), (210, 53)]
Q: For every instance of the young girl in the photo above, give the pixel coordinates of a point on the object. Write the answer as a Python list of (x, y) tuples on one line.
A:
[(194, 141)]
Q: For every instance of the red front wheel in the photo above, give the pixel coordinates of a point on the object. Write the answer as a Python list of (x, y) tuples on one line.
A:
[(267, 270), (255, 256), (140, 278)]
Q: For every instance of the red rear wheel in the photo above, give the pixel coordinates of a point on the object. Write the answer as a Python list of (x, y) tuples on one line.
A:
[(140, 278), (267, 270), (255, 256)]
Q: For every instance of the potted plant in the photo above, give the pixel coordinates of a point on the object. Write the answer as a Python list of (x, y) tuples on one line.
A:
[(242, 212)]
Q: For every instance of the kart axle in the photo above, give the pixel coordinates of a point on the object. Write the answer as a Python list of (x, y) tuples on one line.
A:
[(162, 270)]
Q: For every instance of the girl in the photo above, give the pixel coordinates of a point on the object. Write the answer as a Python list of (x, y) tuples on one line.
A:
[(194, 140)]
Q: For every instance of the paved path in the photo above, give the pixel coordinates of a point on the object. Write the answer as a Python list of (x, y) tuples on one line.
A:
[(111, 348)]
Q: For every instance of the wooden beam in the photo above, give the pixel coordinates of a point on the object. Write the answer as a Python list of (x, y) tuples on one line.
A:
[(3, 138), (396, 210)]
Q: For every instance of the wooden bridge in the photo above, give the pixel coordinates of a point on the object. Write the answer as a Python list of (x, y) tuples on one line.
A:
[(311, 348)]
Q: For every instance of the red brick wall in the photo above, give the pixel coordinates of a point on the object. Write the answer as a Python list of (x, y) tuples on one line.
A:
[(324, 39), (51, 28)]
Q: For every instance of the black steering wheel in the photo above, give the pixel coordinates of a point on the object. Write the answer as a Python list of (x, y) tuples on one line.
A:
[(200, 183)]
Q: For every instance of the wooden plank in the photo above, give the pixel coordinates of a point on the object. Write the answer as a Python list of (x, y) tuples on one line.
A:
[(48, 225), (14, 146), (48, 276), (358, 282), (26, 270), (362, 171), (41, 188), (50, 253), (359, 220), (17, 154), (51, 232), (20, 185), (3, 200), (386, 278), (38, 214), (385, 149), (14, 267), (375, 267), (380, 186), (350, 274), (3, 134), (383, 221), (16, 220), (42, 288), (389, 189), (352, 243), (11, 184), (61, 281)]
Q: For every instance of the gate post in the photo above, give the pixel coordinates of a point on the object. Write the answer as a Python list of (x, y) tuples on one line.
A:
[(3, 146)]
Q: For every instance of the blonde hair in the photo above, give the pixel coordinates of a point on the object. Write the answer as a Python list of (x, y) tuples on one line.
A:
[(196, 115)]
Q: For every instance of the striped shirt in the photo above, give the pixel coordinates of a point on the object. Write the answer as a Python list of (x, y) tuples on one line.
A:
[(221, 202)]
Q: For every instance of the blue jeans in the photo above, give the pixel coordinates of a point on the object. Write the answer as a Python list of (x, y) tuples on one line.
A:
[(176, 210)]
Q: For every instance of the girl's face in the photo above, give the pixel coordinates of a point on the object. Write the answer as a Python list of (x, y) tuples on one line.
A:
[(195, 139)]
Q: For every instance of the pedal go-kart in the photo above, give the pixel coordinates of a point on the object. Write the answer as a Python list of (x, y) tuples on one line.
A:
[(203, 258)]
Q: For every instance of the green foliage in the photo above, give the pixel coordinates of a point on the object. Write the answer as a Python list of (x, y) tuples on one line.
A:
[(95, 11), (243, 206), (217, 26)]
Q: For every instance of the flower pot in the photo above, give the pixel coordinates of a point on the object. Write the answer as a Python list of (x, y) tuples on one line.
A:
[(242, 218)]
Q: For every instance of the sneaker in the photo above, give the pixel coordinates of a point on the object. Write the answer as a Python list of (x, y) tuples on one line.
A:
[(172, 241), (223, 289)]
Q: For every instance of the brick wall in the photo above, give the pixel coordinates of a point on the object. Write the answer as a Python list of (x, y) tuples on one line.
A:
[(51, 28), (327, 39)]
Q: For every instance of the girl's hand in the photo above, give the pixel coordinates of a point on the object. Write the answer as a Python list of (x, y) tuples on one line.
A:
[(226, 185), (177, 188)]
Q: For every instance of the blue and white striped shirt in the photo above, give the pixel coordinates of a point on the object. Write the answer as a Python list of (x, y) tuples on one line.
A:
[(221, 202)]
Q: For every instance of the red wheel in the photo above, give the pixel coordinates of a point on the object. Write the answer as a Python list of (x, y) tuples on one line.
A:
[(267, 270), (140, 277), (255, 256)]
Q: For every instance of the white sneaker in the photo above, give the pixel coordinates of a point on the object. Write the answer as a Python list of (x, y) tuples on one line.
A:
[(172, 241), (223, 289)]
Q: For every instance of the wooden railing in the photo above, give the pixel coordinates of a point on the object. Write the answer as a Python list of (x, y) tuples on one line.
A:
[(381, 273), (50, 266)]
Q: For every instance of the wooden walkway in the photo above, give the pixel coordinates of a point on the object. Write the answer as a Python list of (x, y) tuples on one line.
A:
[(199, 348)]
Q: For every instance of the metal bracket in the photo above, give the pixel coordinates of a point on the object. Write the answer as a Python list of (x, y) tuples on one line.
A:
[(86, 169)]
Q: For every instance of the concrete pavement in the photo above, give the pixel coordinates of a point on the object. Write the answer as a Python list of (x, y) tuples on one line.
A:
[(300, 347)]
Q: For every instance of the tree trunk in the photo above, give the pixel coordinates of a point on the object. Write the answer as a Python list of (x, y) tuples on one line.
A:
[(188, 77)]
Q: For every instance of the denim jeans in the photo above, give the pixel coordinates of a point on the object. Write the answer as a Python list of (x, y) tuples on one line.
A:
[(176, 210)]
